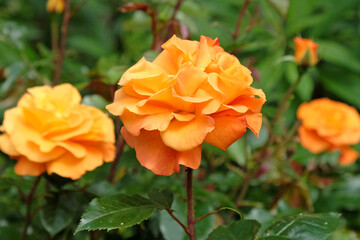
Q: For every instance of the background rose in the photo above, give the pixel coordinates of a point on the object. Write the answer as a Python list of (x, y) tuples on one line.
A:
[(305, 51), (49, 130), (191, 93), (329, 125)]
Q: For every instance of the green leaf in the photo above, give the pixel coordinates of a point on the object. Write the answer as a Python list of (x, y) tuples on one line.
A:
[(172, 231), (239, 230), (116, 211), (344, 234), (347, 89), (305, 226), (10, 232), (58, 212), (274, 238), (162, 198), (95, 101), (238, 151), (12, 73), (338, 54)]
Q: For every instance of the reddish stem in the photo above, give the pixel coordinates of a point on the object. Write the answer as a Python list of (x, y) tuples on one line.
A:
[(64, 32), (190, 204), (119, 150), (28, 201), (241, 16)]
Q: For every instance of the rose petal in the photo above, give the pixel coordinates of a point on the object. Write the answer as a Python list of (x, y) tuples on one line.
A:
[(184, 136), (6, 145), (72, 167), (348, 156), (227, 130), (311, 141), (134, 123), (189, 79), (191, 158), (254, 121), (26, 167), (152, 153)]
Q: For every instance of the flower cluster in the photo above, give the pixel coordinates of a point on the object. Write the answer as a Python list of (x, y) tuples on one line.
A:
[(193, 92), (329, 125), (49, 130)]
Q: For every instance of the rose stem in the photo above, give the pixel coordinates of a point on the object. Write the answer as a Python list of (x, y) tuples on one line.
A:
[(28, 200), (64, 32), (241, 16), (119, 150), (190, 203), (176, 8)]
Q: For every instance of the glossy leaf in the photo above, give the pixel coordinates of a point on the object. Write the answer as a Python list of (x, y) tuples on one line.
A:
[(162, 198), (305, 226), (58, 212), (116, 211), (239, 230)]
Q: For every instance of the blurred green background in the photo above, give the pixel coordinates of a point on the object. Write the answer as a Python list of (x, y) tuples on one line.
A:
[(103, 43)]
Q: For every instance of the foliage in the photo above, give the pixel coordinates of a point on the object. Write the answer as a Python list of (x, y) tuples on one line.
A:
[(289, 192)]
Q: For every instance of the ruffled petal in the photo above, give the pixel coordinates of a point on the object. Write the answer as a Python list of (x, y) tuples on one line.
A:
[(348, 156), (152, 152), (227, 130), (254, 121), (72, 167), (184, 136), (26, 167), (311, 141), (134, 123), (191, 158), (189, 79), (7, 146)]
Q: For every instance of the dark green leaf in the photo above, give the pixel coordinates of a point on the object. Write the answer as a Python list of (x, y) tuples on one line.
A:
[(58, 212), (12, 74), (338, 54), (305, 226), (162, 198), (239, 230), (274, 238), (116, 211)]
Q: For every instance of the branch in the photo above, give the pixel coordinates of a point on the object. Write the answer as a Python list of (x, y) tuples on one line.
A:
[(169, 211), (190, 203), (64, 32), (28, 200), (241, 16)]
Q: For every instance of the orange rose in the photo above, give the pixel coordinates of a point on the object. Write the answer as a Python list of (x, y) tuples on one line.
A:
[(305, 51), (55, 6), (49, 130), (329, 125), (191, 93)]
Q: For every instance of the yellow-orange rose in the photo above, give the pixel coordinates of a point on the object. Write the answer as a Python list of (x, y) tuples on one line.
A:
[(305, 51), (55, 6), (49, 130), (329, 125), (191, 93)]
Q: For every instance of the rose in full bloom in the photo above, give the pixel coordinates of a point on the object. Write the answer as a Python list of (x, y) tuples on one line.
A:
[(305, 51), (327, 125), (49, 130), (193, 92), (55, 6)]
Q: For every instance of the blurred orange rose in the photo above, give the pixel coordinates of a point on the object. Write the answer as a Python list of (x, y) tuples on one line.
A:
[(55, 6), (329, 125), (191, 93), (305, 51), (49, 130)]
